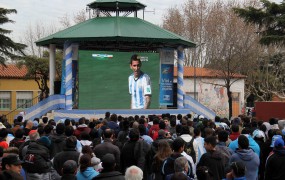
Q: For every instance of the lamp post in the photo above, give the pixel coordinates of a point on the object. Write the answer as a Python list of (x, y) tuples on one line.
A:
[(195, 77), (195, 73)]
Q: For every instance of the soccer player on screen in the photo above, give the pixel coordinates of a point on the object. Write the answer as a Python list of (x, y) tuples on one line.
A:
[(139, 85)]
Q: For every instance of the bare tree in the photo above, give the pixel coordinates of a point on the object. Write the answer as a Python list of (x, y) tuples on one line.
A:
[(268, 78), (80, 16), (65, 21), (225, 42), (34, 33)]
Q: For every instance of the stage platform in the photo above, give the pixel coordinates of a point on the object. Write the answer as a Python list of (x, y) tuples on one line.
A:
[(100, 113), (56, 105)]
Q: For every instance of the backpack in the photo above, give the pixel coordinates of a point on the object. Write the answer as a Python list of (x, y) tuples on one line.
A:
[(189, 149), (35, 163)]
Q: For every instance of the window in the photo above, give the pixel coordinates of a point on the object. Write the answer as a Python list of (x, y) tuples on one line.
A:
[(24, 99), (5, 100)]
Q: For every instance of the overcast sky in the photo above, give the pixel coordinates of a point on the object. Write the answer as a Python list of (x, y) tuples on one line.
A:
[(49, 11)]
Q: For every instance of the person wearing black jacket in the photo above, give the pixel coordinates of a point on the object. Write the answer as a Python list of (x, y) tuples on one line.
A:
[(275, 164), (213, 159), (134, 152), (57, 140), (68, 153), (108, 172), (37, 159)]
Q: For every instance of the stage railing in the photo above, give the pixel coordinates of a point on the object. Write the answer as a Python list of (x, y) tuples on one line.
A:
[(53, 102), (198, 108)]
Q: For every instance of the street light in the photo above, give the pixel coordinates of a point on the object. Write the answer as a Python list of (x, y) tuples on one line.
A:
[(195, 75)]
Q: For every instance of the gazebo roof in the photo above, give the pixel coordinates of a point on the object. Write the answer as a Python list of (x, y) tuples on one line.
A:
[(117, 33), (111, 5)]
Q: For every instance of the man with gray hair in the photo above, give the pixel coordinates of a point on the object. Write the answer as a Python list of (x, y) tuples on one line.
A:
[(180, 166), (134, 173), (33, 136)]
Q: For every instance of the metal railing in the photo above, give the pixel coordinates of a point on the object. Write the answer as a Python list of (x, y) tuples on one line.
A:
[(10, 115)]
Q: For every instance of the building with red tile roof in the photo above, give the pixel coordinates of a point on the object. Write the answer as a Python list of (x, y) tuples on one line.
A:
[(16, 91), (13, 71), (205, 73), (210, 89)]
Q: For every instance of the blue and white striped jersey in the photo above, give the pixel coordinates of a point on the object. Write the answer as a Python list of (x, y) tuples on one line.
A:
[(138, 88)]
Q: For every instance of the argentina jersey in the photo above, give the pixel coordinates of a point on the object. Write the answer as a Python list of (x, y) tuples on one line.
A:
[(138, 89)]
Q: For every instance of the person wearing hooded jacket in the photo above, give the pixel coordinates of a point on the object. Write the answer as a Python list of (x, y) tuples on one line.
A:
[(213, 159), (252, 144), (37, 159), (86, 171), (275, 164), (82, 127), (248, 157)]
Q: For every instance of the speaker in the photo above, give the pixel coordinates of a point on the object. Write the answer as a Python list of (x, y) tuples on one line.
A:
[(57, 87)]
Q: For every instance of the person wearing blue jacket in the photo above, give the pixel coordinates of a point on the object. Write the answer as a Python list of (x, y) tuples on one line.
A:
[(252, 144), (248, 157), (86, 172)]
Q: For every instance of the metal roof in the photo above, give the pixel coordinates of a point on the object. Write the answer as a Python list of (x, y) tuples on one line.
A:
[(111, 5), (117, 33)]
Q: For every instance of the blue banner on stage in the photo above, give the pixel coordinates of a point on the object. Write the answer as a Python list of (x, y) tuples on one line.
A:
[(166, 84)]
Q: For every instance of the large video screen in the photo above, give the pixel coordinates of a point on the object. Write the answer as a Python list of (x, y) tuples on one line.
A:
[(103, 78)]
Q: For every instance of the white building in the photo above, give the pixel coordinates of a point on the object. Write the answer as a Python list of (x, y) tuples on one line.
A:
[(210, 89)]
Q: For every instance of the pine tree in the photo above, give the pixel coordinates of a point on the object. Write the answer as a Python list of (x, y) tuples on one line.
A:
[(270, 20), (8, 48)]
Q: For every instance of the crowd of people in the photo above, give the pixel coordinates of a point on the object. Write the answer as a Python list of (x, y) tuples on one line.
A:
[(155, 147)]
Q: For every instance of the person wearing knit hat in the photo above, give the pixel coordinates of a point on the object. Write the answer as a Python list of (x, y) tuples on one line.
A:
[(279, 143), (275, 164), (45, 141)]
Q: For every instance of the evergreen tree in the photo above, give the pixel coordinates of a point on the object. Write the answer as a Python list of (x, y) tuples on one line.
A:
[(270, 19), (8, 48)]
